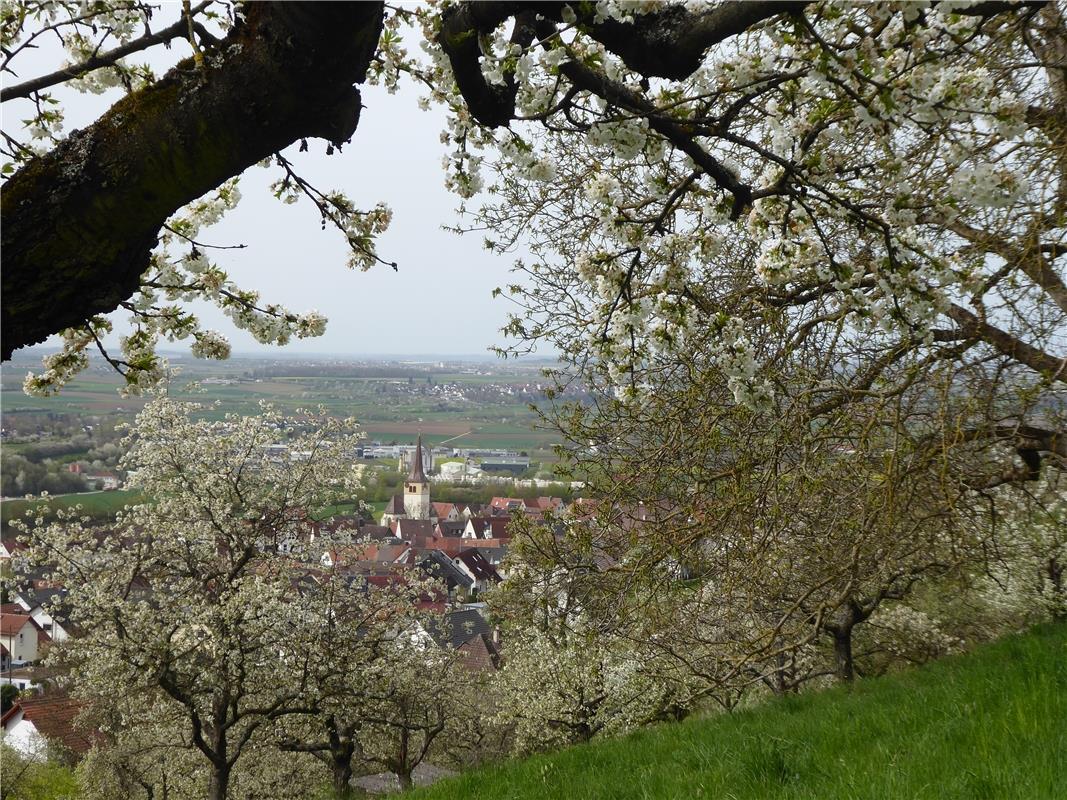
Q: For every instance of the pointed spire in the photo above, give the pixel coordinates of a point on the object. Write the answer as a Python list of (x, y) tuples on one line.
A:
[(417, 475)]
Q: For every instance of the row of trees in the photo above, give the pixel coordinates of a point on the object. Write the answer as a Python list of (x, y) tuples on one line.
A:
[(19, 476)]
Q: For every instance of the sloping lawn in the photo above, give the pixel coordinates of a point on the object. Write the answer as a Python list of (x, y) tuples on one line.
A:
[(991, 724)]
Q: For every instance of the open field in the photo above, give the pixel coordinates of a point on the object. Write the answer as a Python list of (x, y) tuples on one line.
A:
[(94, 504), (392, 402), (983, 726), (105, 504)]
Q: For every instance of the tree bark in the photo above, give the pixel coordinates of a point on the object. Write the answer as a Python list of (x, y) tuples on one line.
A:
[(1055, 575), (81, 221), (843, 665), (405, 781), (341, 767), (219, 787)]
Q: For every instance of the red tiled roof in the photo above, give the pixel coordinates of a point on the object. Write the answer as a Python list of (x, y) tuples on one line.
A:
[(15, 709), (349, 554), (10, 624), (479, 653), (54, 718)]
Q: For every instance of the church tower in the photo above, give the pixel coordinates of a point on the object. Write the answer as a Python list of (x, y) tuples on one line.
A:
[(417, 487)]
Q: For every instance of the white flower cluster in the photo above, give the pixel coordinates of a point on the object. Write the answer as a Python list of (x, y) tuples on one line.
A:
[(984, 185), (523, 159), (737, 359), (625, 138), (69, 361)]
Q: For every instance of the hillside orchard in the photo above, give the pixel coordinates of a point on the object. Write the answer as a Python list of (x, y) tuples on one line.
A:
[(804, 261)]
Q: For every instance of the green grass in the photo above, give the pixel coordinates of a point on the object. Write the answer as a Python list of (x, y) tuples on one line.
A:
[(343, 509), (992, 724), (105, 504), (94, 504)]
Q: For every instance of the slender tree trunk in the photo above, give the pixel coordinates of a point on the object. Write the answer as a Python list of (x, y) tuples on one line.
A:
[(782, 674), (402, 767), (1055, 576), (843, 653)]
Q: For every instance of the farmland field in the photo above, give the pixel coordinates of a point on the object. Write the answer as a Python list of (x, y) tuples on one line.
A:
[(465, 405), (93, 504)]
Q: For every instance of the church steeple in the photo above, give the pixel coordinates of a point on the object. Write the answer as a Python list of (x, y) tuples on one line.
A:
[(417, 475), (417, 487)]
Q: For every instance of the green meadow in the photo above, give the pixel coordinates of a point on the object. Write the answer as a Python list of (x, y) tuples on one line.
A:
[(991, 724)]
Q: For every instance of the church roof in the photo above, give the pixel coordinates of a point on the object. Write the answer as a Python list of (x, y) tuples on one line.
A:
[(396, 505), (416, 474)]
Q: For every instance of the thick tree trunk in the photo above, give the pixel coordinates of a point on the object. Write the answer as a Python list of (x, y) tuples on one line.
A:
[(341, 767), (405, 781), (80, 222), (219, 787)]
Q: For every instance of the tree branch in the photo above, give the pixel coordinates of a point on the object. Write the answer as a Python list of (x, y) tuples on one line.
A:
[(1053, 368), (175, 31), (80, 222)]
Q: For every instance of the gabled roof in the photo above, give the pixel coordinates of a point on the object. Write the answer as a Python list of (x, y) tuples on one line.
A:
[(54, 718), (442, 509), (11, 624), (452, 528), (395, 505), (480, 653), (497, 526), (416, 531), (345, 554), (438, 565), (391, 553), (13, 545), (479, 565), (375, 531), (52, 599), (494, 555)]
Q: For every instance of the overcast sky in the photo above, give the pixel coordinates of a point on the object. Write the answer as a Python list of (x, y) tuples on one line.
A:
[(439, 300)]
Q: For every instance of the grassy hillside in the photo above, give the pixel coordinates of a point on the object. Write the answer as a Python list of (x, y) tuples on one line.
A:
[(992, 724)]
